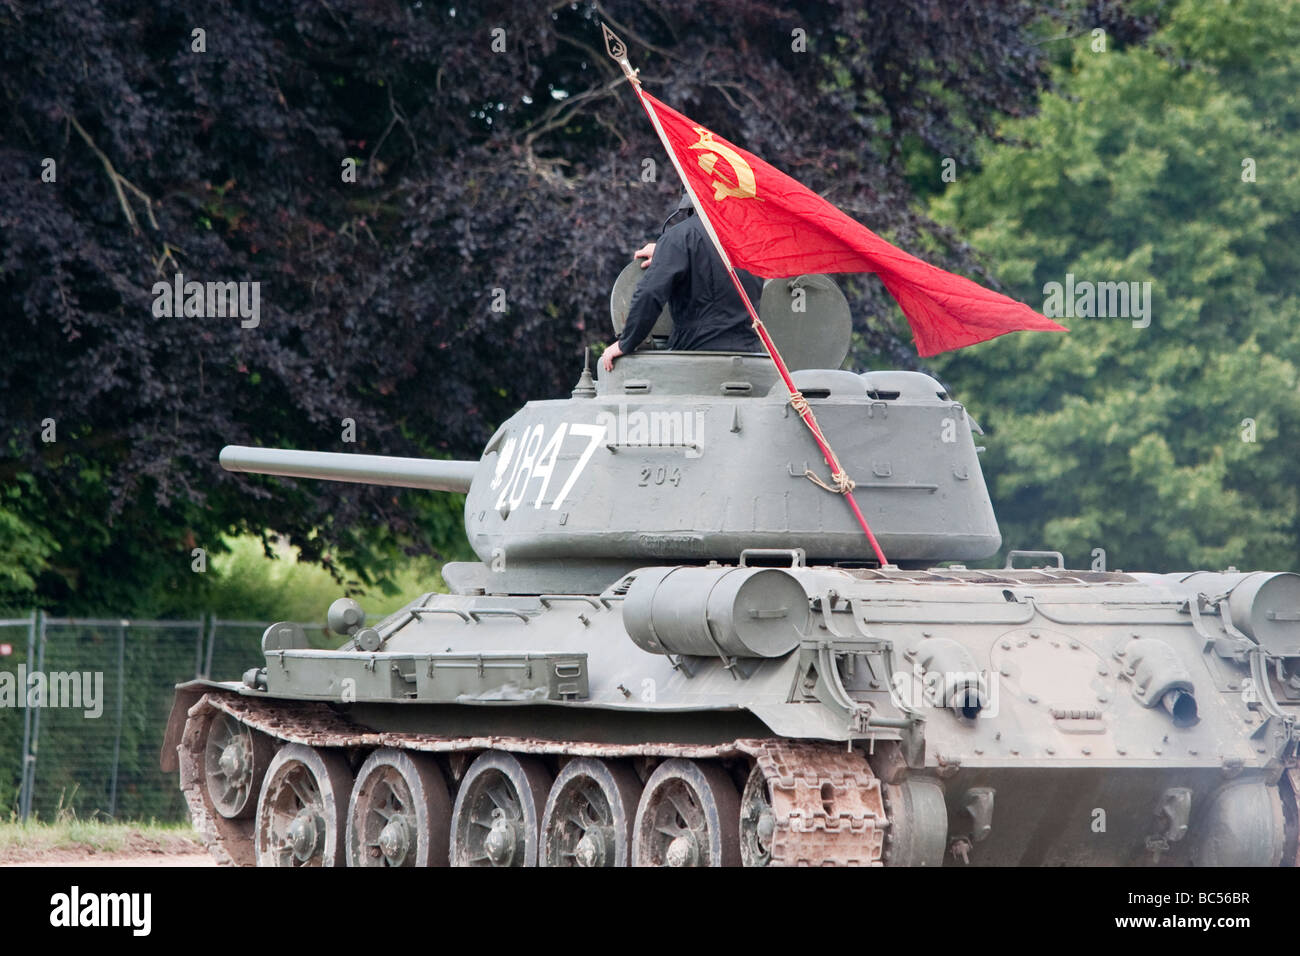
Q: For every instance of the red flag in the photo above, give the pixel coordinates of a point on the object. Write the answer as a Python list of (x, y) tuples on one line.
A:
[(775, 227)]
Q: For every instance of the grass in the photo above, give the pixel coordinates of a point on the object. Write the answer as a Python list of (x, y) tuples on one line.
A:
[(68, 831), (101, 836)]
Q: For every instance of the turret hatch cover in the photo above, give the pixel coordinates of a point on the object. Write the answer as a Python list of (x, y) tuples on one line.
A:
[(620, 300), (808, 319)]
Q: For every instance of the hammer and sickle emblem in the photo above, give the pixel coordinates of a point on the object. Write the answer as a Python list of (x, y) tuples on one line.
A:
[(743, 187)]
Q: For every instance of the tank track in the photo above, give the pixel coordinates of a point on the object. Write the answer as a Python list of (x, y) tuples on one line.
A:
[(828, 807)]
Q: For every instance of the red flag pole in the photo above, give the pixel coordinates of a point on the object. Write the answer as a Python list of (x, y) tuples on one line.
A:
[(842, 483)]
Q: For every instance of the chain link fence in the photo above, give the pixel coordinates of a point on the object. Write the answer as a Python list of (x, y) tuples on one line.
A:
[(84, 703)]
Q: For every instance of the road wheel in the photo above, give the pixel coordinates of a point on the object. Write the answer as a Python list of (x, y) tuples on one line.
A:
[(498, 812), (589, 815), (688, 816), (302, 809), (400, 812)]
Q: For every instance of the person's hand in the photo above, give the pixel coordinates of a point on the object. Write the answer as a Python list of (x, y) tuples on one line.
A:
[(607, 357), (645, 252)]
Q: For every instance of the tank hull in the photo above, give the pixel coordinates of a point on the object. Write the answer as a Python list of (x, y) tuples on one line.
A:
[(1043, 717)]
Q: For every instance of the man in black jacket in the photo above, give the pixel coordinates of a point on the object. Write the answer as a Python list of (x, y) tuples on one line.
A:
[(685, 271)]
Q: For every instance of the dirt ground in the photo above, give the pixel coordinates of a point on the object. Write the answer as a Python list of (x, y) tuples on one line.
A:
[(137, 849)]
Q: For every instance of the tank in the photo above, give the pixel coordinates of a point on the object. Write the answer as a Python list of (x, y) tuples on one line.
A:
[(677, 650)]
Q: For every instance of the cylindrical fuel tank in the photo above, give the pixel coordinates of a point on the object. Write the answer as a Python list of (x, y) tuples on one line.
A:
[(740, 612), (1264, 605)]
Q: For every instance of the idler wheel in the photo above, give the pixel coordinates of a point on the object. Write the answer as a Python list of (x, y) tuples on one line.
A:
[(302, 809), (400, 812), (589, 815), (497, 817), (688, 816), (235, 759)]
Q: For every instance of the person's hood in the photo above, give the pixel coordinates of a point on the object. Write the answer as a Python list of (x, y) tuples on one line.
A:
[(680, 211)]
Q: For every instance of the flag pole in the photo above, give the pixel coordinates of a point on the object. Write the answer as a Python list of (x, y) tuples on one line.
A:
[(841, 483)]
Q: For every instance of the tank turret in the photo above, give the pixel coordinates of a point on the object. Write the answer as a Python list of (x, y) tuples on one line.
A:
[(696, 456)]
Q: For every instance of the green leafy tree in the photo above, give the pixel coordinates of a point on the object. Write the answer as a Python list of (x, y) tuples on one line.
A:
[(1172, 445), (25, 548)]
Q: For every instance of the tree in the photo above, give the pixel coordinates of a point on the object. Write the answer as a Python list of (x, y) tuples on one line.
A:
[(1171, 446), (391, 174)]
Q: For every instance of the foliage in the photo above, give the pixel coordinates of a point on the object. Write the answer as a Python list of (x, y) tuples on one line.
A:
[(1171, 446), (25, 548), (519, 171), (246, 586)]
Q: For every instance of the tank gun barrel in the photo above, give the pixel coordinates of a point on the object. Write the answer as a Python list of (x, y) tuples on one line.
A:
[(431, 474)]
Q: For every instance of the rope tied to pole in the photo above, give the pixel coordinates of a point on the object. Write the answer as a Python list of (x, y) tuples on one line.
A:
[(841, 484)]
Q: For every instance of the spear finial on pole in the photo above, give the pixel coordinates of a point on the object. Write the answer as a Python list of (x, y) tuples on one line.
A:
[(617, 51)]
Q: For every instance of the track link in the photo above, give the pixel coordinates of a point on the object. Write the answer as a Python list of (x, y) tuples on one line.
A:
[(828, 806)]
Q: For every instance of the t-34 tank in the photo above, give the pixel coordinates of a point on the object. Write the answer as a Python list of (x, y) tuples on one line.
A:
[(676, 650)]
